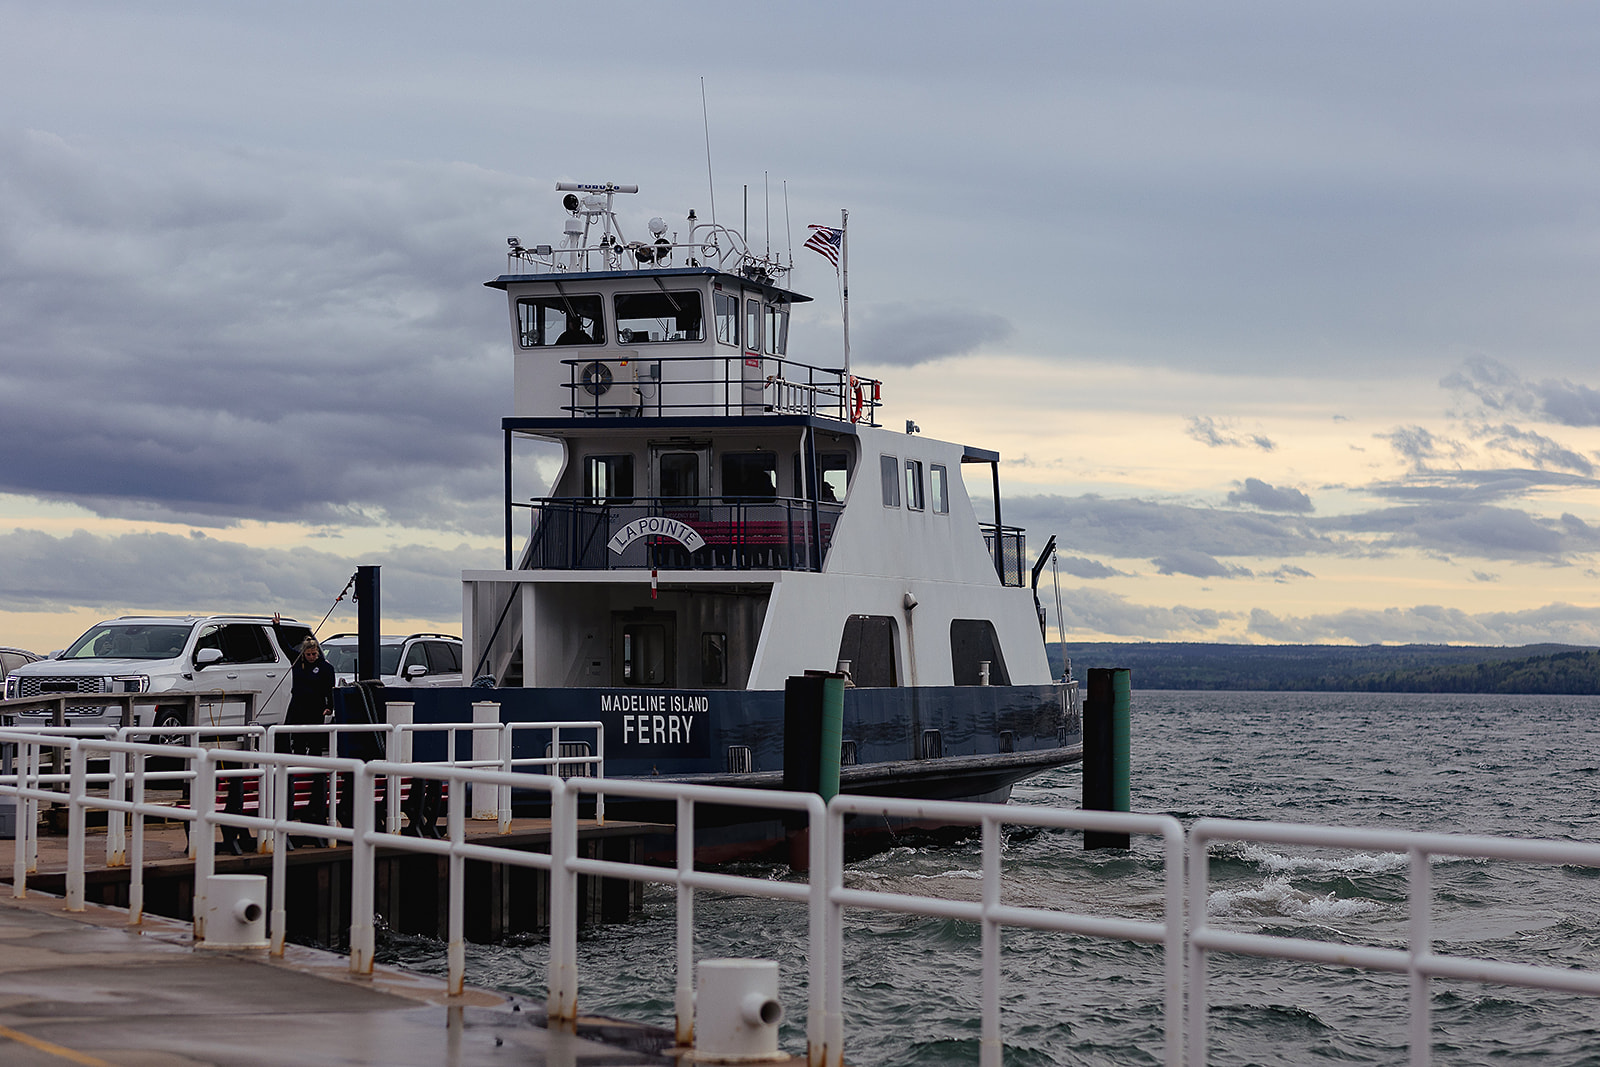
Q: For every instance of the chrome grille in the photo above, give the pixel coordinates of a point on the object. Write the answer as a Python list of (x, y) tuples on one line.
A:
[(36, 686)]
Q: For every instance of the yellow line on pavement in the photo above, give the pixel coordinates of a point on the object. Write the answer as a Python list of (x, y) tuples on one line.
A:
[(54, 1049)]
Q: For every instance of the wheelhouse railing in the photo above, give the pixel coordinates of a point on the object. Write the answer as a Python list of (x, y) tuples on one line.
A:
[(1011, 558), (679, 533), (735, 384)]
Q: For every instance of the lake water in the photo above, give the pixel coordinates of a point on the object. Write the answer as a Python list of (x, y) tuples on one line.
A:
[(1520, 766)]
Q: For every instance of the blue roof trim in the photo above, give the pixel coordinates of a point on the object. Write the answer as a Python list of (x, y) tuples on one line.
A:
[(633, 422), (550, 277)]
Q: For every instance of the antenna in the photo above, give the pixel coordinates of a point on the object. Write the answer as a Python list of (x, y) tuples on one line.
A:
[(705, 116), (766, 194), (787, 228)]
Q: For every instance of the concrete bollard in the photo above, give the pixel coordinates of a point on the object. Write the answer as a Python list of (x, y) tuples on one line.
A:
[(736, 1012), (235, 911)]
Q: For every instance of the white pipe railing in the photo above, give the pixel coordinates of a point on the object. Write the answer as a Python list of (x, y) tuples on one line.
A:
[(823, 891)]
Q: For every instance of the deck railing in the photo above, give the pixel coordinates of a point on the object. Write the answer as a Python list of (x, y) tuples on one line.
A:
[(680, 533), (1011, 558), (1185, 930), (733, 384)]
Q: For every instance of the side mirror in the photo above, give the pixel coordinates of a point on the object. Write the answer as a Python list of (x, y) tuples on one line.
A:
[(416, 670), (207, 656)]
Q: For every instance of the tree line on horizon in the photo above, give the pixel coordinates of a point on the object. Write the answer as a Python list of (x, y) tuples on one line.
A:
[(1528, 669)]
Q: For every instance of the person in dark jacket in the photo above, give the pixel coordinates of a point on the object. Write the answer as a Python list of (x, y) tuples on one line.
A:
[(312, 680)]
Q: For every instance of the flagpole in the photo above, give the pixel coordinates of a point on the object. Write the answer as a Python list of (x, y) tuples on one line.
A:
[(844, 260)]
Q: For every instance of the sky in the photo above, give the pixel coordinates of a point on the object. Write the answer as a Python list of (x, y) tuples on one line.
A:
[(1281, 316)]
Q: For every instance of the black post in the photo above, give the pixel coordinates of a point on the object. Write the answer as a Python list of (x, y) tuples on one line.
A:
[(369, 623), (1105, 750), (508, 498), (999, 535)]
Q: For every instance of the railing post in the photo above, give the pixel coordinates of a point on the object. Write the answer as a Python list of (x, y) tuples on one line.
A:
[(561, 999), (362, 854), (817, 932), (277, 918), (457, 950), (990, 1047), (504, 792), (75, 824), (833, 946), (116, 821), (1196, 1001), (1420, 936), (136, 852), (683, 1001), (485, 747), (202, 801)]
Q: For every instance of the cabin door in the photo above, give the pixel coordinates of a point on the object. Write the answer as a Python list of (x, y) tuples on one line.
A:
[(753, 374), (644, 648)]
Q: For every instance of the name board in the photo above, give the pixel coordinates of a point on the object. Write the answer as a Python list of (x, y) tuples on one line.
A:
[(659, 526), (656, 725)]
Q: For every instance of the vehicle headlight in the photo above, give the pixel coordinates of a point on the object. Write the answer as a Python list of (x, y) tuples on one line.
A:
[(130, 683), (11, 688)]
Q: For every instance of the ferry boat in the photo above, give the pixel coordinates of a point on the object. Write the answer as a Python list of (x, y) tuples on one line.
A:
[(726, 518)]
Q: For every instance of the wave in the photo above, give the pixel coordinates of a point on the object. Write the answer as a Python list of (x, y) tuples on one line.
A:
[(1277, 897)]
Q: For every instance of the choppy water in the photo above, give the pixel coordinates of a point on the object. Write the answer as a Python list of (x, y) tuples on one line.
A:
[(1525, 766)]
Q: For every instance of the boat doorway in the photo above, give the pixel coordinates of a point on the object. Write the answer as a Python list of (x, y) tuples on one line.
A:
[(644, 648)]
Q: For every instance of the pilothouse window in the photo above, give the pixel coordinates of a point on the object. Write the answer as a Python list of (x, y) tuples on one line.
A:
[(749, 475), (560, 320), (608, 478), (777, 329), (643, 318), (727, 310)]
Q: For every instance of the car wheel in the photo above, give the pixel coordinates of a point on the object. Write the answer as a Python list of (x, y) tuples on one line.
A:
[(166, 720)]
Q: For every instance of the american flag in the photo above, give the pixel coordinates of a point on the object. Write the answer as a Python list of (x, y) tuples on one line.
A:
[(826, 240)]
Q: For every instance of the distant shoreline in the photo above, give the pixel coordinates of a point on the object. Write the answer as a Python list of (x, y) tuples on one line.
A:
[(1552, 669)]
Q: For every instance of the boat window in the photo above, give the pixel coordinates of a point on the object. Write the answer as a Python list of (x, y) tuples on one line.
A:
[(713, 659), (644, 654), (889, 466), (559, 320), (749, 475), (680, 474), (777, 328), (727, 310), (868, 644), (608, 478), (972, 642), (914, 484), (834, 470), (659, 316), (752, 325), (939, 489)]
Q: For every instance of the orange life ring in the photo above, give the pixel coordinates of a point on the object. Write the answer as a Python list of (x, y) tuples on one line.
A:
[(855, 387)]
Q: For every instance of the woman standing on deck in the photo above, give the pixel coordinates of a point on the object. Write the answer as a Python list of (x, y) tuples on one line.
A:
[(310, 697)]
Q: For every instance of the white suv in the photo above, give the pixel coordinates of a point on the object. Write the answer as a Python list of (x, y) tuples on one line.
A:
[(149, 654), (419, 659)]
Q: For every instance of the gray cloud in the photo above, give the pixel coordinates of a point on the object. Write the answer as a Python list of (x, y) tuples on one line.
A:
[(1259, 494), (1475, 486), (1420, 446), (1559, 623), (220, 335), (1197, 565), (911, 333), (1095, 610), (1220, 433), (1081, 567), (1499, 388), (1536, 448), (162, 572)]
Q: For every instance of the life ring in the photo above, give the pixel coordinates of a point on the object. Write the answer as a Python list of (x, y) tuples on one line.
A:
[(855, 387)]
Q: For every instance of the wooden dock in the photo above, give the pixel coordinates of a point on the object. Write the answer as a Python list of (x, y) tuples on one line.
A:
[(410, 891)]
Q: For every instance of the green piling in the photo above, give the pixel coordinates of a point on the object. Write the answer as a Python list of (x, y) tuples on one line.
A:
[(831, 737), (1107, 749)]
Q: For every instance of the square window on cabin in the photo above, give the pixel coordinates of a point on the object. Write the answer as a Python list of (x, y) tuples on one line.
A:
[(752, 325), (889, 467), (914, 484), (939, 489), (777, 329), (749, 475), (713, 659), (544, 321), (608, 478), (833, 470), (680, 474), (727, 312), (643, 318)]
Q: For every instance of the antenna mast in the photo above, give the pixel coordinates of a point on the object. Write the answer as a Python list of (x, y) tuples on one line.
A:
[(705, 117)]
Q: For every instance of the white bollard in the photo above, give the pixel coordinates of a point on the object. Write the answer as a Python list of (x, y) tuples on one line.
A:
[(736, 1012), (235, 911), (486, 748)]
